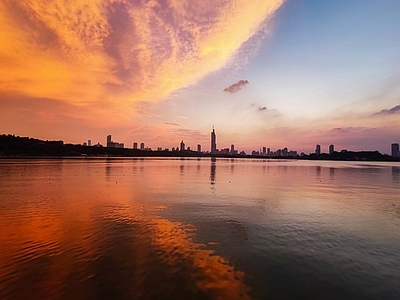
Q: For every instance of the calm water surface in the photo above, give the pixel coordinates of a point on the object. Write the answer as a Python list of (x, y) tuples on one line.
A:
[(199, 229)]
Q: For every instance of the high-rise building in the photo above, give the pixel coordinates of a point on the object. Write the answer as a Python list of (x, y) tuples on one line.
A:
[(134, 145), (141, 146), (285, 152), (331, 149), (112, 144), (89, 143), (232, 149), (213, 142), (268, 151), (318, 149), (182, 146), (198, 148), (395, 150), (264, 150)]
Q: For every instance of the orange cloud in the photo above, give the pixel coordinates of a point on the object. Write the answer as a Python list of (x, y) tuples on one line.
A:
[(119, 51)]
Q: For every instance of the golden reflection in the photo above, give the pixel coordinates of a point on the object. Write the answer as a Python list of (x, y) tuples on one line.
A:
[(210, 272), (67, 226), (46, 244)]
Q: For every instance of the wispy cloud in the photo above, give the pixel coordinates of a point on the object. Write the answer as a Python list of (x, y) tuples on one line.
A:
[(93, 62), (236, 87), (349, 129), (172, 124), (120, 51), (393, 110)]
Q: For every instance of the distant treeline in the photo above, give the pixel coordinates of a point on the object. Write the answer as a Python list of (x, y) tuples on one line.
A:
[(353, 155), (11, 145)]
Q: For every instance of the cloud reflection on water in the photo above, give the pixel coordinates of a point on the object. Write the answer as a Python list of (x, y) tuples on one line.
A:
[(85, 237)]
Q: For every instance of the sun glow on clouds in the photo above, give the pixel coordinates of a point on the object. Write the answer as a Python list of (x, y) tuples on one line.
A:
[(119, 52)]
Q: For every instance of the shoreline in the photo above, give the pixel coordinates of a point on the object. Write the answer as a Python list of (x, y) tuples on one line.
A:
[(148, 155)]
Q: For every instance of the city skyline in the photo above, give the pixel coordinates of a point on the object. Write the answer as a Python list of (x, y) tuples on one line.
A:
[(263, 150), (283, 72)]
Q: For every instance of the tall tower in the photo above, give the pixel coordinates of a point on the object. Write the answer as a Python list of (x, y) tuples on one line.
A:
[(182, 146), (213, 142), (395, 150), (109, 141), (331, 149), (318, 149)]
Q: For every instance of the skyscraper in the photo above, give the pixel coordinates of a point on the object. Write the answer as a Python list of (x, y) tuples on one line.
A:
[(318, 149), (141, 146), (395, 150), (331, 149), (134, 145), (198, 148), (182, 146), (112, 144), (213, 142)]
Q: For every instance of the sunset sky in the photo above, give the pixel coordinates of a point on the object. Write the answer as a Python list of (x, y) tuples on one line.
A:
[(268, 73)]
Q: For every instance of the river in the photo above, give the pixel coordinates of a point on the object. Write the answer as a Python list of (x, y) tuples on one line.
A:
[(143, 228)]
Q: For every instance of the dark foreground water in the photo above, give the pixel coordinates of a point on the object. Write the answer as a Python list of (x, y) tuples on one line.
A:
[(199, 229)]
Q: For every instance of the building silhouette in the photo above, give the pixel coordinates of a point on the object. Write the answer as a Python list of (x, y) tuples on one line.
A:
[(112, 144), (141, 146), (182, 146), (198, 148), (395, 150), (89, 143), (318, 149), (213, 142), (331, 149)]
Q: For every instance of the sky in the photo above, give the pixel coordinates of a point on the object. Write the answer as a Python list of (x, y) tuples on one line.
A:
[(268, 73)]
